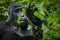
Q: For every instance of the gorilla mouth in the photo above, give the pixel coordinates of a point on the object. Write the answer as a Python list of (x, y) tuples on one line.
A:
[(22, 21)]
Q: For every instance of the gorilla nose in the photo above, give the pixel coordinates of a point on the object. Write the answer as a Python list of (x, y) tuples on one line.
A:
[(22, 15)]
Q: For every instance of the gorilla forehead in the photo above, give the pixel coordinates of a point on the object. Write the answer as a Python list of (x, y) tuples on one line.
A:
[(15, 5)]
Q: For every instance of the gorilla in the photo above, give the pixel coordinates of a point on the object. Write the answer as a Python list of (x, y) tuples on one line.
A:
[(15, 27)]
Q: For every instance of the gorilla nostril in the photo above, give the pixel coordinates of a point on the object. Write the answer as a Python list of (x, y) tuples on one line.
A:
[(22, 16)]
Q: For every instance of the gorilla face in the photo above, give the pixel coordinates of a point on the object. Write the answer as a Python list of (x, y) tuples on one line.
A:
[(19, 18)]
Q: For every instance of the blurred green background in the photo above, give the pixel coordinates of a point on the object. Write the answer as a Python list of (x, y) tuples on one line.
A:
[(49, 10)]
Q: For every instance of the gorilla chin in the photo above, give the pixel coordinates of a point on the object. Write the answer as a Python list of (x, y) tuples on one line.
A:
[(24, 24)]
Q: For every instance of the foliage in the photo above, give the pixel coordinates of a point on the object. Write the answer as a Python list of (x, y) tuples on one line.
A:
[(48, 10)]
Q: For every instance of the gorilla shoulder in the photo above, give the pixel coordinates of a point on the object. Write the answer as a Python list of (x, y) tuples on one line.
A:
[(3, 25)]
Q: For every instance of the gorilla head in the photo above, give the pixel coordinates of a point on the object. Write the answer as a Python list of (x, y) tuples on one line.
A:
[(16, 17)]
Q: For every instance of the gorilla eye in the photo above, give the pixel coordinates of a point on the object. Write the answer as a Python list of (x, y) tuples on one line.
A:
[(18, 10)]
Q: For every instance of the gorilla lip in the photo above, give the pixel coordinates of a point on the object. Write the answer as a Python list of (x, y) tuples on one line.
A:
[(22, 21)]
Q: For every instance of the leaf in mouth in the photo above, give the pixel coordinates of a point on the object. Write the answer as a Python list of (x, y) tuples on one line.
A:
[(19, 21)]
